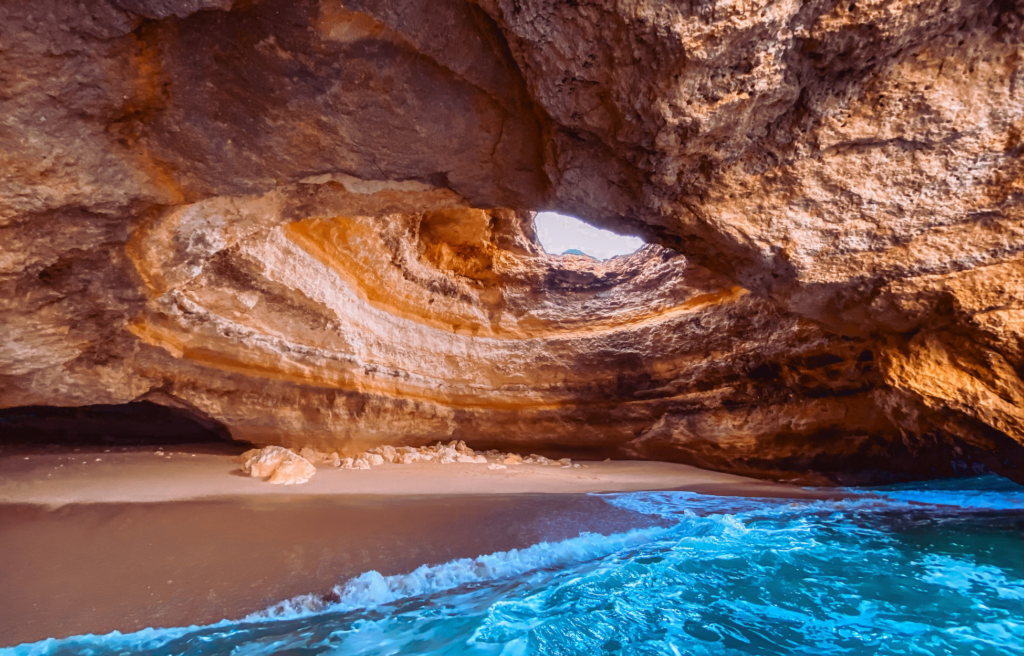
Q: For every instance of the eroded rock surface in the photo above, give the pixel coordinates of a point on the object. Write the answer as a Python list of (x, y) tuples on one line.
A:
[(310, 222), (277, 465)]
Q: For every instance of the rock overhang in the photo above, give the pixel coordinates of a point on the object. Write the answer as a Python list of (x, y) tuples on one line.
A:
[(311, 220)]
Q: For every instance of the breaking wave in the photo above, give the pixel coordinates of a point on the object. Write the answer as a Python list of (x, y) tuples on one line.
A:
[(919, 569)]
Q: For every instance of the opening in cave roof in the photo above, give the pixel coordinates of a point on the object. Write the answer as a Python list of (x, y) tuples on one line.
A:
[(566, 235)]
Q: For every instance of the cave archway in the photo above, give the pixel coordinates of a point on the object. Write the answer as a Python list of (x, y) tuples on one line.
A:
[(135, 424), (561, 234)]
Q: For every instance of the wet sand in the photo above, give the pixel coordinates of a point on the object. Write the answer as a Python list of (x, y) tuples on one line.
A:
[(95, 568), (138, 539)]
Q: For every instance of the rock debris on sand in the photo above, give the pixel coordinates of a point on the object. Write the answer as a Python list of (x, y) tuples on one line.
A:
[(286, 467), (279, 465)]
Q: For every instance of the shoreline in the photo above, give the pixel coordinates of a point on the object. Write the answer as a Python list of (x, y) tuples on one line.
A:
[(100, 567), (139, 540)]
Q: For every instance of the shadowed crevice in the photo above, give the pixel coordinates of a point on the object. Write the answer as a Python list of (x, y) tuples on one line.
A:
[(139, 423)]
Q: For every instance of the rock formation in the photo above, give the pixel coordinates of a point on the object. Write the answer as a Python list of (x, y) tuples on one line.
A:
[(283, 466), (278, 465), (311, 222)]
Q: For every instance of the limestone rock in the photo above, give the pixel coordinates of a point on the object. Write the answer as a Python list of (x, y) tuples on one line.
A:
[(261, 463), (281, 466), (310, 223), (293, 470), (455, 451), (478, 460), (387, 452), (362, 462), (408, 456)]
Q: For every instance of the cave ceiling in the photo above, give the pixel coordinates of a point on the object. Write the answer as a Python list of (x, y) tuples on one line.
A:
[(312, 223)]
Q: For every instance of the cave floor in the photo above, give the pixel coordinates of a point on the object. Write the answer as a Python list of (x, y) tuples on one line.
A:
[(152, 474), (97, 540)]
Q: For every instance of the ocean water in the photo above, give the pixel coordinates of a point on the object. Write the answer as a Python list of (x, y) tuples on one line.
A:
[(933, 568)]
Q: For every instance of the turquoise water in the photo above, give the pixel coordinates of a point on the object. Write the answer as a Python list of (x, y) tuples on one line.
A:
[(933, 568)]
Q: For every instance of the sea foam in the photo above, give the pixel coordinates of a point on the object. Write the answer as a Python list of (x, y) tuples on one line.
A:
[(371, 589), (726, 575)]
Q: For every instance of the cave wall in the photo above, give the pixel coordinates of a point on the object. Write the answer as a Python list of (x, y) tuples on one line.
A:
[(310, 222)]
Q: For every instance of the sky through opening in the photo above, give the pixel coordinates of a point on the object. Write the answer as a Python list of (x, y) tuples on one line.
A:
[(559, 233)]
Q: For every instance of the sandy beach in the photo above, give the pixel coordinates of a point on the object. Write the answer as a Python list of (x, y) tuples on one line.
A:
[(107, 539), (149, 475)]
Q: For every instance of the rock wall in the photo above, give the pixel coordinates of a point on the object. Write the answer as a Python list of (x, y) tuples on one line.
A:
[(311, 222)]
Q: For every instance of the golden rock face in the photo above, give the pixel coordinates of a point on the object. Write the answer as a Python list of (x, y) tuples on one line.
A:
[(318, 231)]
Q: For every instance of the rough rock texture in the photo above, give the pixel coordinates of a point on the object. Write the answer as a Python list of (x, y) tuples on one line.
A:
[(309, 221), (278, 465), (283, 466)]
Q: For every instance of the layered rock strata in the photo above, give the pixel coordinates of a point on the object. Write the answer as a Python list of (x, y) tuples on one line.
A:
[(310, 222)]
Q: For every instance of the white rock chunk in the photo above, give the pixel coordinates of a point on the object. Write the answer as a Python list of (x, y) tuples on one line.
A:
[(281, 466), (260, 463), (245, 458), (408, 455), (362, 461), (455, 451), (388, 452), (446, 455), (293, 470)]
